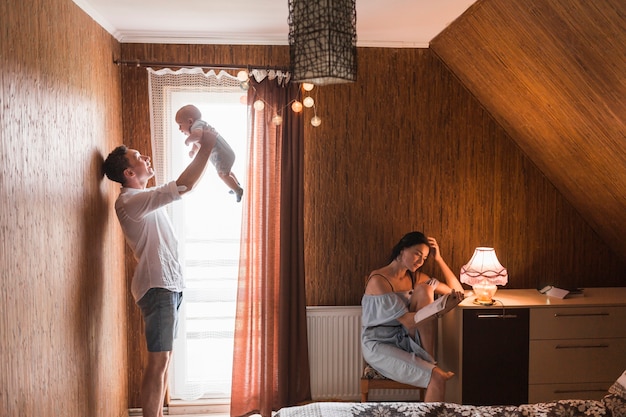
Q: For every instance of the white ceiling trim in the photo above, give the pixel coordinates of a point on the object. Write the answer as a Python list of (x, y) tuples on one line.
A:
[(389, 24), (101, 20)]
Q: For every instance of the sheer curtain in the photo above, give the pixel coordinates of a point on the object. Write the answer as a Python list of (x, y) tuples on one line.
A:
[(208, 225), (270, 364)]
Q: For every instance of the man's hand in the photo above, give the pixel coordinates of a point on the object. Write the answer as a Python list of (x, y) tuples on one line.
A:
[(209, 137), (194, 171)]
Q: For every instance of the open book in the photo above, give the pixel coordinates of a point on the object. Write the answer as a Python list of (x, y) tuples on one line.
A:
[(439, 307)]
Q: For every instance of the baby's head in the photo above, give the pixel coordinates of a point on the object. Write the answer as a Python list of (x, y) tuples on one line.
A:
[(185, 117)]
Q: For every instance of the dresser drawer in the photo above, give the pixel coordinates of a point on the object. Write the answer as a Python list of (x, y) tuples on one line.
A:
[(576, 360), (542, 393), (577, 322)]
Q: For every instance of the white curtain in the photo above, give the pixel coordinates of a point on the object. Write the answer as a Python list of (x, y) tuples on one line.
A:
[(161, 85)]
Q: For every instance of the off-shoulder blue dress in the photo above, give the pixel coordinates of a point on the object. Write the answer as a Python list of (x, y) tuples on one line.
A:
[(386, 344)]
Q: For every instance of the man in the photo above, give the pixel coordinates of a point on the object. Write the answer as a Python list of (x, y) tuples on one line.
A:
[(158, 282)]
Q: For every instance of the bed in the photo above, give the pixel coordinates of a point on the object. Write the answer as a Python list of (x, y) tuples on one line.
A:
[(612, 405)]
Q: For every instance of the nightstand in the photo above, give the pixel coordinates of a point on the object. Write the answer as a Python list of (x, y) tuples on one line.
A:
[(529, 347)]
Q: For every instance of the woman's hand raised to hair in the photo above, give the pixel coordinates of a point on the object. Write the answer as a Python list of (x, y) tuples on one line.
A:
[(435, 252)]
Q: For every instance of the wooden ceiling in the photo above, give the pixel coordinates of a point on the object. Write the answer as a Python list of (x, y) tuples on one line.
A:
[(553, 73)]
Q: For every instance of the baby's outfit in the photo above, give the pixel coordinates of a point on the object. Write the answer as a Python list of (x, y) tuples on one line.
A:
[(222, 156)]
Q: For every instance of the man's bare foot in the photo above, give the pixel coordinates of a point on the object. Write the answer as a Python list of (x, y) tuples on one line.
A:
[(436, 390)]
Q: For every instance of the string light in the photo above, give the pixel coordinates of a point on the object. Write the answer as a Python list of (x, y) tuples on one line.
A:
[(277, 120), (242, 75), (296, 106), (259, 105)]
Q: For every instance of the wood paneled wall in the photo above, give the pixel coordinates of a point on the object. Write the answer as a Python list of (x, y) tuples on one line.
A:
[(409, 148), (406, 147), (552, 72), (63, 293)]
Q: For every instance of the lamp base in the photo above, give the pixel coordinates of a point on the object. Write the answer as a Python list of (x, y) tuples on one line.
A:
[(484, 303)]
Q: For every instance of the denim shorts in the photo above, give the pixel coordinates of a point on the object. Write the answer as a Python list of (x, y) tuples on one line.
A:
[(159, 308)]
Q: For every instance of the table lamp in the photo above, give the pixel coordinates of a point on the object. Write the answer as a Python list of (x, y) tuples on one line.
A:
[(483, 272)]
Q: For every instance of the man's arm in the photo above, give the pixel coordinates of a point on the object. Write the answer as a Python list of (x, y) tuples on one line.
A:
[(192, 174)]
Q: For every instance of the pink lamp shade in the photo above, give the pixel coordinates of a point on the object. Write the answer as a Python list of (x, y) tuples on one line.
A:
[(483, 272)]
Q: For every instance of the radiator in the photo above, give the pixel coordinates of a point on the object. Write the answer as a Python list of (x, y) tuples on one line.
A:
[(334, 340)]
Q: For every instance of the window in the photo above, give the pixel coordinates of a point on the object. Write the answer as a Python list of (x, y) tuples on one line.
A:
[(208, 224)]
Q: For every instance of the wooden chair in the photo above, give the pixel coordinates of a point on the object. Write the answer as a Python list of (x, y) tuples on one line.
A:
[(372, 379)]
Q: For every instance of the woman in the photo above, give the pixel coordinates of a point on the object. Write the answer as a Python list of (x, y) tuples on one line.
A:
[(392, 342)]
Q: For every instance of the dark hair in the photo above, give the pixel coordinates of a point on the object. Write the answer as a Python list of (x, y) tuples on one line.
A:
[(408, 240), (115, 164)]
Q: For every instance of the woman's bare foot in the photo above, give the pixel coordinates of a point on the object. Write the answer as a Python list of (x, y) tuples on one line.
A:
[(436, 389)]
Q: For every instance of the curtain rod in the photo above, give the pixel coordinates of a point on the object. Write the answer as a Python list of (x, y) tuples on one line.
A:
[(139, 63)]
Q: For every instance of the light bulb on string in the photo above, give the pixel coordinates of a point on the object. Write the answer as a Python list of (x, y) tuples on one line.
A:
[(245, 85), (316, 121), (243, 99), (277, 120), (259, 105), (308, 102), (242, 75), (307, 86), (296, 106)]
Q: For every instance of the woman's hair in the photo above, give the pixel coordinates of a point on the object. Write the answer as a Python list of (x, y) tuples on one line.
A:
[(115, 164), (408, 240)]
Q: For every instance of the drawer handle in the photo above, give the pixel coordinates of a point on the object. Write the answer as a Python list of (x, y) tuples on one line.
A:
[(573, 391), (580, 314), (582, 346), (497, 316)]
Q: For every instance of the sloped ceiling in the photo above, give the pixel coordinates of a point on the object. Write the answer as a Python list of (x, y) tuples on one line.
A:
[(553, 74)]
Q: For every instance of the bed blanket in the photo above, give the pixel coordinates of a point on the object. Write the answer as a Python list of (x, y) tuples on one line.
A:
[(609, 407), (612, 405)]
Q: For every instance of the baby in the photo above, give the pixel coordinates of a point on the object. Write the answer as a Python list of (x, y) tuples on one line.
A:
[(189, 120)]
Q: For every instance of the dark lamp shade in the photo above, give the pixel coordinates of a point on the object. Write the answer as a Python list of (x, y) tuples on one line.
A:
[(322, 41)]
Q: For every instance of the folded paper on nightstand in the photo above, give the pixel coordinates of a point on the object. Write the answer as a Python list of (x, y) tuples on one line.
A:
[(552, 291)]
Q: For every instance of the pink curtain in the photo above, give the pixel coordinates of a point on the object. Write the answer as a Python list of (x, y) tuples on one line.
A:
[(270, 365)]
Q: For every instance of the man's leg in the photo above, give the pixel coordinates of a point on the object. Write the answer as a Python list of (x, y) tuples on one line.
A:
[(154, 383), (160, 312)]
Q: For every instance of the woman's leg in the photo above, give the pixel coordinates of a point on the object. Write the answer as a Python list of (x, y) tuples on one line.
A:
[(424, 294), (436, 389)]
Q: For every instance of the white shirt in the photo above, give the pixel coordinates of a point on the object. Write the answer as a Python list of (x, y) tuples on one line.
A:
[(150, 235)]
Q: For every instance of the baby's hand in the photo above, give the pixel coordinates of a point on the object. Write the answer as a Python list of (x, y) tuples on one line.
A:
[(194, 136)]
